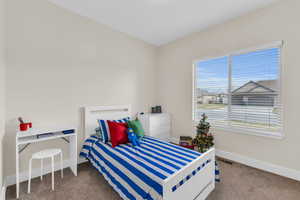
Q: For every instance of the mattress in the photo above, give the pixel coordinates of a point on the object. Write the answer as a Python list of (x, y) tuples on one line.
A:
[(138, 172)]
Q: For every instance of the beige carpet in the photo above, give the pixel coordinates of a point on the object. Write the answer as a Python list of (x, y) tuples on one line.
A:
[(238, 182)]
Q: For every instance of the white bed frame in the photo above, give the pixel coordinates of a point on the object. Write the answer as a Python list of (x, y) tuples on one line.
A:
[(197, 187)]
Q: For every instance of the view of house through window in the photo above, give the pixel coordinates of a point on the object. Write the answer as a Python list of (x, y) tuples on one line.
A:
[(240, 90)]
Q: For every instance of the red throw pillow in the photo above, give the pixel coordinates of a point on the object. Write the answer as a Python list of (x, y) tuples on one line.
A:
[(118, 133)]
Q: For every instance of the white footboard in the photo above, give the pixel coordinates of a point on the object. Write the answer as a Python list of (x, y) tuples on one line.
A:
[(194, 181)]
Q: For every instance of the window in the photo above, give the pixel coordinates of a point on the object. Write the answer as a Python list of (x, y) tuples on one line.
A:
[(240, 91)]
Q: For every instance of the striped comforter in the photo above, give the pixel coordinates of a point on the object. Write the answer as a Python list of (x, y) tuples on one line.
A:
[(137, 172)]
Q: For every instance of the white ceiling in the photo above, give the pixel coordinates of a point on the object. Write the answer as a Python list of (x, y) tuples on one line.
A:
[(161, 21)]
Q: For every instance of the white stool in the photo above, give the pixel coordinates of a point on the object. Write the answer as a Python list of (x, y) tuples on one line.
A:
[(48, 153)]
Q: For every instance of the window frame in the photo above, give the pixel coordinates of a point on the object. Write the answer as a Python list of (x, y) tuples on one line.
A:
[(227, 128)]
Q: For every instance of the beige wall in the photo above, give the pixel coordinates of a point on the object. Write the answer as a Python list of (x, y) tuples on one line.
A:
[(59, 61), (2, 85), (277, 22)]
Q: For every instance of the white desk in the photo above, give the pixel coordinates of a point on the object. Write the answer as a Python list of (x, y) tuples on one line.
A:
[(25, 138)]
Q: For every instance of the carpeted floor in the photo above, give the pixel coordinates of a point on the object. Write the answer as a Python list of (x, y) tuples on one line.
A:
[(238, 182)]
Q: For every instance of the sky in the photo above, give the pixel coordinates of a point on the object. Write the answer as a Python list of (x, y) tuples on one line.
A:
[(212, 75)]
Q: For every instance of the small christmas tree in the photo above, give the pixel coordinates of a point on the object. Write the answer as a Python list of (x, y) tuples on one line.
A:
[(203, 140)]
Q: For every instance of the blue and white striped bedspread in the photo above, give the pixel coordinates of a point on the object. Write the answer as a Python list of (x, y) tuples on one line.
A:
[(137, 172)]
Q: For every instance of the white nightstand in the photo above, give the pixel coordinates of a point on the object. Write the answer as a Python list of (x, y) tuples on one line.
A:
[(157, 125)]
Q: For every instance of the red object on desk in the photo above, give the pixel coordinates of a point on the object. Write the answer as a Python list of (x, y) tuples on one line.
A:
[(24, 126), (188, 146), (29, 124)]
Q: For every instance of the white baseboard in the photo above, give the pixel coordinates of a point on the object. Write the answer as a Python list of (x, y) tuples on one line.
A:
[(262, 165), (3, 192), (82, 160), (11, 180)]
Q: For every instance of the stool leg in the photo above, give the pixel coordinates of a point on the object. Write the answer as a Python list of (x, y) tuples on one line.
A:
[(61, 165), (29, 177), (52, 161), (41, 169)]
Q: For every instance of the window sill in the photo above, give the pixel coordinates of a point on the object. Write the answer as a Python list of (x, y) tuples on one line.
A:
[(260, 133), (274, 135)]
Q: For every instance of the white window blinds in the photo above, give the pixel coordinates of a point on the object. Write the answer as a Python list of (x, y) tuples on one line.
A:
[(240, 91)]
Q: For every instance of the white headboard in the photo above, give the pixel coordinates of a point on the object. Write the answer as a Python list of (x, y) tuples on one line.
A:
[(93, 113)]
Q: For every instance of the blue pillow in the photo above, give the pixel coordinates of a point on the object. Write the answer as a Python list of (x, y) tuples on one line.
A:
[(105, 129)]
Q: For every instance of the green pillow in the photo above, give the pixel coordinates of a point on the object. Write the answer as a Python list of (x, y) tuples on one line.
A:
[(137, 127)]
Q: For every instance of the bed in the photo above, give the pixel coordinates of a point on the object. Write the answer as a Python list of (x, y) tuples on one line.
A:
[(155, 170)]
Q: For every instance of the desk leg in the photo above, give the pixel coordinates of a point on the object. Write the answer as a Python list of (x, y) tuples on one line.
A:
[(73, 154), (17, 172)]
